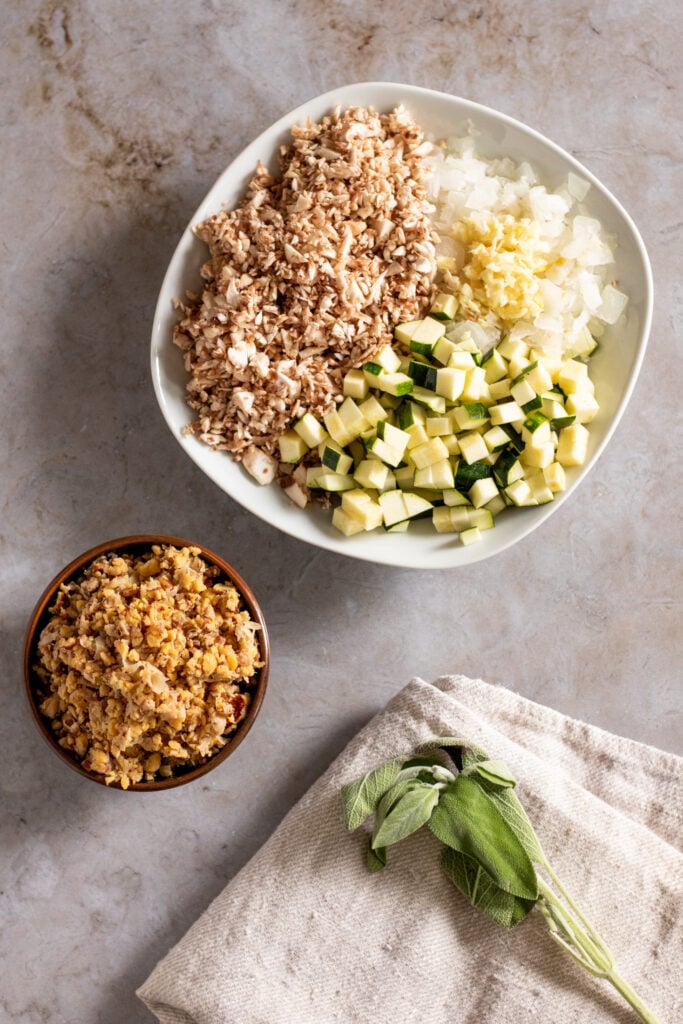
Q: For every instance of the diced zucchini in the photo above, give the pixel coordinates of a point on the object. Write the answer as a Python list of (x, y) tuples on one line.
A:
[(445, 307), (435, 403), (539, 377), (496, 505), (470, 536), (519, 493), (506, 412), (510, 349), (359, 505), (470, 415), (394, 384), (372, 411), (332, 457), (466, 474), (538, 456), (453, 498), (481, 518), (352, 418), (482, 491), (418, 435), (536, 429), (337, 429), (495, 367), (583, 405), (381, 450), (540, 492), (415, 505), (572, 445), (500, 389), (390, 402), (409, 413), (422, 374), (551, 407), (404, 332), (292, 446), (373, 370), (319, 478), (388, 359), (522, 392), (573, 377), (451, 442), (401, 527), (356, 385), (393, 436), (438, 426), (461, 360), (555, 477), (429, 331), (496, 439), (404, 477), (450, 382), (345, 524), (371, 473), (533, 405), (516, 441), (475, 382), (508, 468), (357, 452), (442, 520), (473, 447), (443, 350), (427, 454), (310, 430), (437, 476), (560, 422), (393, 507)]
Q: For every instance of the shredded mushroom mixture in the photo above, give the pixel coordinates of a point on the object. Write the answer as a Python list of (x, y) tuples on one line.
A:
[(146, 664), (307, 278)]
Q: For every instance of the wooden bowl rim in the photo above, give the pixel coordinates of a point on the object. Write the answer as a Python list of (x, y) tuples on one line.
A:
[(119, 544)]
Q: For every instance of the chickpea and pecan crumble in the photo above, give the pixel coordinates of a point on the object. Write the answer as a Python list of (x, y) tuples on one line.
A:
[(146, 664)]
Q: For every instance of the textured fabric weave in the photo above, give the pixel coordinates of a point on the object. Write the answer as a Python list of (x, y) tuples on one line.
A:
[(305, 935)]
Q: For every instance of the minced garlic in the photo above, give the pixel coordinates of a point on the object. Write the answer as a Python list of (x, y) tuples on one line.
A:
[(502, 263)]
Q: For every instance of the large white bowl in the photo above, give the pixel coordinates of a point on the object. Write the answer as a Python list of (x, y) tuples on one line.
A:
[(614, 368)]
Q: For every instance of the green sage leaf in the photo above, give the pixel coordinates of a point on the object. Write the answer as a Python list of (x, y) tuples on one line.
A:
[(410, 812), (362, 796), (511, 810), (495, 772), (482, 892), (467, 820), (377, 859), (462, 752)]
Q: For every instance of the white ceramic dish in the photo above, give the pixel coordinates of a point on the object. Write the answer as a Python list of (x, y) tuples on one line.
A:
[(614, 368)]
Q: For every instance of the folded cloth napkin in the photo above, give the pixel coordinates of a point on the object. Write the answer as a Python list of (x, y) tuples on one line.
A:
[(305, 935)]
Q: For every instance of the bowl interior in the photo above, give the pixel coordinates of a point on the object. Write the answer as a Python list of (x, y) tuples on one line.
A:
[(614, 367), (137, 545)]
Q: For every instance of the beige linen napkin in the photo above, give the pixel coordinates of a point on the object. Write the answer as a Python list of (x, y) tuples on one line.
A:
[(305, 935)]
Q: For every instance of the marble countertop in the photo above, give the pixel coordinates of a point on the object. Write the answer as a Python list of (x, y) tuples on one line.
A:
[(115, 120)]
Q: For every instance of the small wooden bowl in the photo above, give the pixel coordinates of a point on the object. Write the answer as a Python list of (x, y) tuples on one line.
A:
[(132, 545)]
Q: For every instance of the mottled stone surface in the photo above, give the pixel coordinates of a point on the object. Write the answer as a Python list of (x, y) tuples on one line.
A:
[(115, 120)]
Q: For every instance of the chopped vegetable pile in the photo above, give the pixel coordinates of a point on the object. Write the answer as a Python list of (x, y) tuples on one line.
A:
[(433, 429)]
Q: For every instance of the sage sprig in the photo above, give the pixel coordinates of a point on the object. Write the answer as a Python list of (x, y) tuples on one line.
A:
[(490, 850)]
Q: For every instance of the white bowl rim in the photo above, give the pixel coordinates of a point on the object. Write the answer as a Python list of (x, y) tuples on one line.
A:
[(453, 555)]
